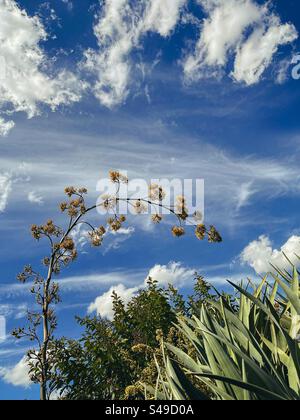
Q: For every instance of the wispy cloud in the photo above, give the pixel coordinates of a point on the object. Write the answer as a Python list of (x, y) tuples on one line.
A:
[(5, 190), (244, 195), (35, 198), (30, 79), (26, 80), (17, 375), (112, 240), (10, 179), (225, 35), (5, 127), (69, 4), (232, 181), (86, 283), (17, 311), (119, 30)]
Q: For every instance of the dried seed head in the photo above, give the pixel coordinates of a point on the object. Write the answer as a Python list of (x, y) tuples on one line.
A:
[(178, 231)]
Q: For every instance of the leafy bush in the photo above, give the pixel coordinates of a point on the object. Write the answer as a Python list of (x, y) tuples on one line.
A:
[(112, 358)]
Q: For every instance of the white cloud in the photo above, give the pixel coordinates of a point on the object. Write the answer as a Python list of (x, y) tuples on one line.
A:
[(225, 34), (118, 31), (282, 71), (95, 281), (18, 311), (35, 198), (226, 174), (113, 240), (162, 16), (17, 375), (25, 83), (244, 194), (103, 305), (84, 283), (5, 190), (5, 127), (261, 256), (80, 236), (256, 54), (173, 273), (8, 179), (221, 32), (27, 80)]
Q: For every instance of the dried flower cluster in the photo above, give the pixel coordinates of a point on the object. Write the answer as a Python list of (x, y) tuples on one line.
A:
[(156, 218), (178, 231), (156, 193), (76, 206), (48, 229), (140, 207), (116, 177), (212, 234), (181, 208), (109, 202), (97, 235), (116, 223), (201, 233)]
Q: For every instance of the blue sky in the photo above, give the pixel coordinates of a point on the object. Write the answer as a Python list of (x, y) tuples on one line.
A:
[(155, 106)]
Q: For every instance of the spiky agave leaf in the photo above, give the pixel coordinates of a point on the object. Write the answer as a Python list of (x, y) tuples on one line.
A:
[(251, 353)]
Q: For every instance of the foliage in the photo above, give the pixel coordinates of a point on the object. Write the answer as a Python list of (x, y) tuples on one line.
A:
[(248, 351), (98, 366), (112, 358)]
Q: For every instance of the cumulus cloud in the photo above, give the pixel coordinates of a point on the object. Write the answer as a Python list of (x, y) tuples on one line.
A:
[(173, 273), (25, 79), (119, 30), (17, 375), (240, 29), (103, 305), (162, 17), (260, 254)]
